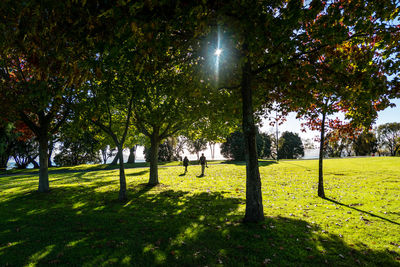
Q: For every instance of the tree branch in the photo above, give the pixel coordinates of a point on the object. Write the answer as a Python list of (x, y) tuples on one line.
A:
[(25, 118)]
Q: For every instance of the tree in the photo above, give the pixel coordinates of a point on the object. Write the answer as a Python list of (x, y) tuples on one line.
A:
[(270, 37), (24, 152), (233, 147), (108, 103), (166, 152), (388, 135), (77, 146), (133, 141), (196, 146), (7, 137), (106, 153), (41, 47), (290, 146), (265, 147), (365, 144), (167, 102)]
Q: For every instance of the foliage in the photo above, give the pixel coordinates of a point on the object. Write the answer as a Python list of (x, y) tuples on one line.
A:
[(7, 137), (263, 145), (233, 147), (42, 46), (339, 141), (196, 146), (290, 146), (389, 137), (24, 152), (78, 150), (197, 221), (365, 144)]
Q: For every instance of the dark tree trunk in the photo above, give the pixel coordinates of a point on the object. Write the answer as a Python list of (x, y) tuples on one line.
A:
[(33, 161), (132, 156), (122, 179), (115, 160), (104, 155), (321, 192), (51, 148), (43, 163), (3, 161), (254, 206), (155, 143)]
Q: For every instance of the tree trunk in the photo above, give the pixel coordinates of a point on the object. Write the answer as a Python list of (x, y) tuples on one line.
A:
[(115, 160), (104, 155), (212, 149), (34, 163), (155, 143), (132, 152), (43, 163), (321, 192), (51, 148), (3, 161), (122, 179), (254, 206)]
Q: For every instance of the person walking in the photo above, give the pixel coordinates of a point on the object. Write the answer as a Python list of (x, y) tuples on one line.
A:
[(186, 163), (203, 163)]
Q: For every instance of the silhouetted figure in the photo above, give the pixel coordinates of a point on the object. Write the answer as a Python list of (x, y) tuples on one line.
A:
[(186, 163), (203, 163)]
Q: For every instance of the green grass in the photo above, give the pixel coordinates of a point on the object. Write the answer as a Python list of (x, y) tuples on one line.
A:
[(193, 221)]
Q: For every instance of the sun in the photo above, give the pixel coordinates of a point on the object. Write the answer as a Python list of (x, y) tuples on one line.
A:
[(218, 52)]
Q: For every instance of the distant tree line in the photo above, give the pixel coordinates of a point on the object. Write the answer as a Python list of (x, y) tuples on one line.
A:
[(383, 140)]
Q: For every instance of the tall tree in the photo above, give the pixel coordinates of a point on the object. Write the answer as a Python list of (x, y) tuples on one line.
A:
[(389, 136), (42, 43), (270, 37), (290, 146), (365, 144), (7, 140), (196, 146), (108, 103)]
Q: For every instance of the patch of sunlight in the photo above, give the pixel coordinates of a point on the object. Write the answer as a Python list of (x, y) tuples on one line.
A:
[(78, 205), (10, 244), (99, 208), (128, 203), (112, 261), (74, 243), (201, 218), (126, 260), (160, 257), (35, 258), (32, 212), (192, 231), (223, 252), (148, 248)]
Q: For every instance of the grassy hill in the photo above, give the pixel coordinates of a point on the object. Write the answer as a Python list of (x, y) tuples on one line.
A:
[(196, 221)]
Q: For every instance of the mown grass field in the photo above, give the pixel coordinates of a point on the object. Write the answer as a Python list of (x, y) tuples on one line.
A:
[(196, 221)]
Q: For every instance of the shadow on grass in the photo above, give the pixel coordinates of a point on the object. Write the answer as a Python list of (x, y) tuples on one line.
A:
[(158, 226), (363, 211), (139, 173), (241, 163)]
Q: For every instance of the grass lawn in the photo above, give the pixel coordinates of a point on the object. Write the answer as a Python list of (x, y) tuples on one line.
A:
[(196, 221)]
